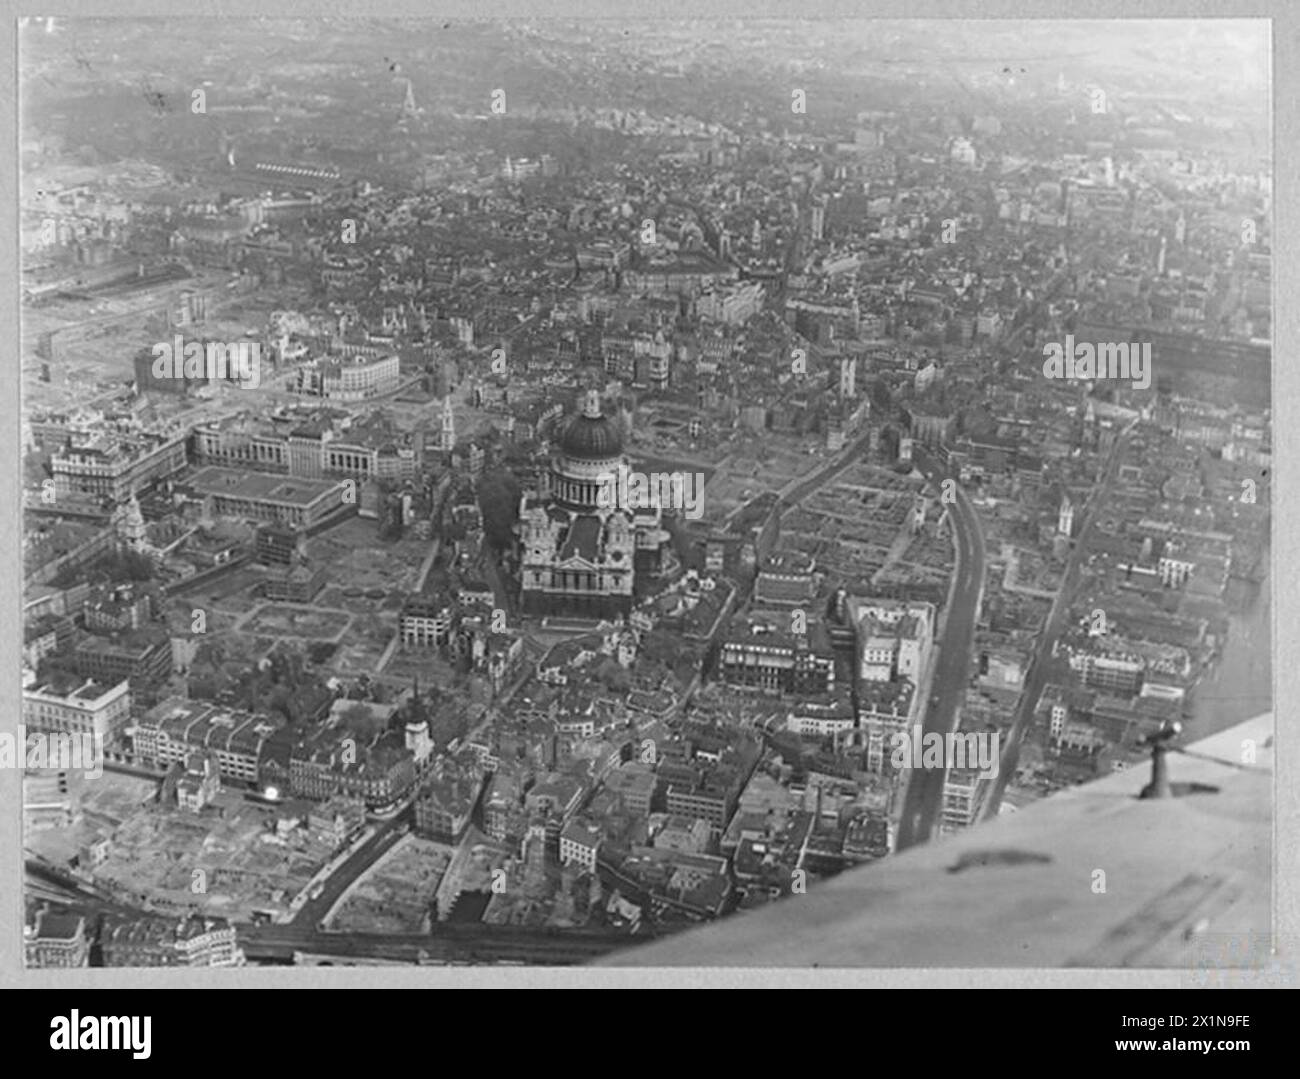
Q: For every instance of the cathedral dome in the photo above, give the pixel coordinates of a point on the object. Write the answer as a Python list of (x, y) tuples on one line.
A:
[(591, 435)]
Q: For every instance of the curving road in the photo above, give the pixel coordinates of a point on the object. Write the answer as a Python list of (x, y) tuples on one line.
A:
[(923, 803)]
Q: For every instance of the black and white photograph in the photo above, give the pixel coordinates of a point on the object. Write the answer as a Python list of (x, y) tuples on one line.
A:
[(645, 492)]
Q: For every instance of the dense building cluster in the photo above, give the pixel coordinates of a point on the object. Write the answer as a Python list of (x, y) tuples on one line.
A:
[(615, 489)]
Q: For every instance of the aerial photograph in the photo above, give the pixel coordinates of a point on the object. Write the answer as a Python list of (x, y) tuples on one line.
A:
[(646, 493)]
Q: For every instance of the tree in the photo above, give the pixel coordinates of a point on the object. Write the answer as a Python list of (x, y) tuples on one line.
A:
[(498, 495), (390, 528)]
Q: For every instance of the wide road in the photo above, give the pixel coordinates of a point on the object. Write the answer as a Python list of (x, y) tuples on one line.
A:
[(470, 943), (1039, 667), (923, 803), (799, 489), (386, 835), (823, 474)]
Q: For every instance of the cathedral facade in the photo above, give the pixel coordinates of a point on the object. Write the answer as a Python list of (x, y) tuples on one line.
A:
[(580, 555)]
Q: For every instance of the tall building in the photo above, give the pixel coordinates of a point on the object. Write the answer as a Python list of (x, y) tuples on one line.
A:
[(772, 652), (313, 446), (172, 731), (200, 783), (894, 639), (357, 377), (447, 441), (724, 245), (1118, 673), (848, 376), (117, 465), (895, 644), (56, 940), (192, 942), (964, 793), (1065, 518), (580, 554), (296, 503), (580, 843), (98, 710), (129, 524), (786, 580), (447, 798)]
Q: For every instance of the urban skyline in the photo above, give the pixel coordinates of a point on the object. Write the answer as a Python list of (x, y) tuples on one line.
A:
[(555, 492)]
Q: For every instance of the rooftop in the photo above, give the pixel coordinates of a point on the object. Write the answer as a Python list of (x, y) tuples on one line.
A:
[(1189, 881), (260, 486)]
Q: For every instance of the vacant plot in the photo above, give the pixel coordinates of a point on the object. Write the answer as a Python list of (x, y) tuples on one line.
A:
[(178, 859), (354, 557), (310, 623), (394, 896)]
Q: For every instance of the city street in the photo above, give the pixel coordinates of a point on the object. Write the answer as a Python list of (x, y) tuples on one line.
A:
[(1039, 668), (923, 803)]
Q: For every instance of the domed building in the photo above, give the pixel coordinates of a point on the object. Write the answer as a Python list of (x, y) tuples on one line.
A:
[(590, 447), (580, 553)]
